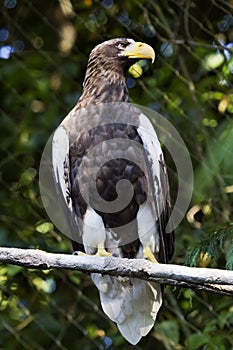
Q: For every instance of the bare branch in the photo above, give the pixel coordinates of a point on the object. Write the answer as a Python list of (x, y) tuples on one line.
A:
[(208, 279)]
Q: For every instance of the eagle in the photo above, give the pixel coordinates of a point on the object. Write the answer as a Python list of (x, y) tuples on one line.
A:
[(106, 149)]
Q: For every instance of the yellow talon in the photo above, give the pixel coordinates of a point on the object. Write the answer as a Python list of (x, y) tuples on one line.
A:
[(147, 253), (78, 252), (102, 251)]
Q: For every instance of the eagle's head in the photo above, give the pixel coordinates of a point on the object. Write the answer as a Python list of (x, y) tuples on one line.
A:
[(106, 70), (122, 52)]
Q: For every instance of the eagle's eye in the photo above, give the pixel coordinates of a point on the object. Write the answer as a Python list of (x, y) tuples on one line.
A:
[(122, 45)]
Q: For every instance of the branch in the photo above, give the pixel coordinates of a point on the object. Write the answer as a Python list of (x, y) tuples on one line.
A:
[(208, 279)]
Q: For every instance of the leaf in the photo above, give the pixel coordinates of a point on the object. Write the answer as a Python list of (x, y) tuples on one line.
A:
[(169, 330), (196, 340), (44, 227), (13, 270), (135, 70), (213, 60)]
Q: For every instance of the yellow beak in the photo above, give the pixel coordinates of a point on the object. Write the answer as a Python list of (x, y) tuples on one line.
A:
[(139, 50)]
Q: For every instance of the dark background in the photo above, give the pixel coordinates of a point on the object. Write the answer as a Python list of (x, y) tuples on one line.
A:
[(43, 55)]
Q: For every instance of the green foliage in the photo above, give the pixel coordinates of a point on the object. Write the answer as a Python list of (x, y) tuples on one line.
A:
[(190, 84), (213, 335), (211, 248), (168, 332), (229, 257)]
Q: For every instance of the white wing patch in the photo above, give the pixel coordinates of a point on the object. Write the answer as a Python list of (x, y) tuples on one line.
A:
[(147, 229), (94, 233), (154, 155), (60, 156)]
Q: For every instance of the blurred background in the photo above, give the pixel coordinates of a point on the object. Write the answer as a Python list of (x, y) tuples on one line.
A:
[(44, 48)]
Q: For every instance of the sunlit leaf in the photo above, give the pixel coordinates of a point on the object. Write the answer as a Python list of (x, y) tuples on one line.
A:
[(44, 227), (213, 60)]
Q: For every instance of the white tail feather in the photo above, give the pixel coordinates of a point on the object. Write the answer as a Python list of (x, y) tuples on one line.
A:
[(133, 306)]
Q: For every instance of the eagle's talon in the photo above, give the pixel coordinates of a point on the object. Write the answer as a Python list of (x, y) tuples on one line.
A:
[(148, 254), (102, 251), (78, 252)]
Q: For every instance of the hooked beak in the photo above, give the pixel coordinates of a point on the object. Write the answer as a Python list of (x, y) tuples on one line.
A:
[(139, 50)]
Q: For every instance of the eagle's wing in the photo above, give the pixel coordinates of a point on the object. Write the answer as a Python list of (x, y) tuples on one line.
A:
[(61, 177), (166, 236), (158, 178)]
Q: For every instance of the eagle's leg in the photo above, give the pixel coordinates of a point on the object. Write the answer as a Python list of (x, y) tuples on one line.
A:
[(148, 254), (101, 251)]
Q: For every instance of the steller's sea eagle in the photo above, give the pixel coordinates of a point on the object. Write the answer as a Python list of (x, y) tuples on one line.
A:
[(104, 122)]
